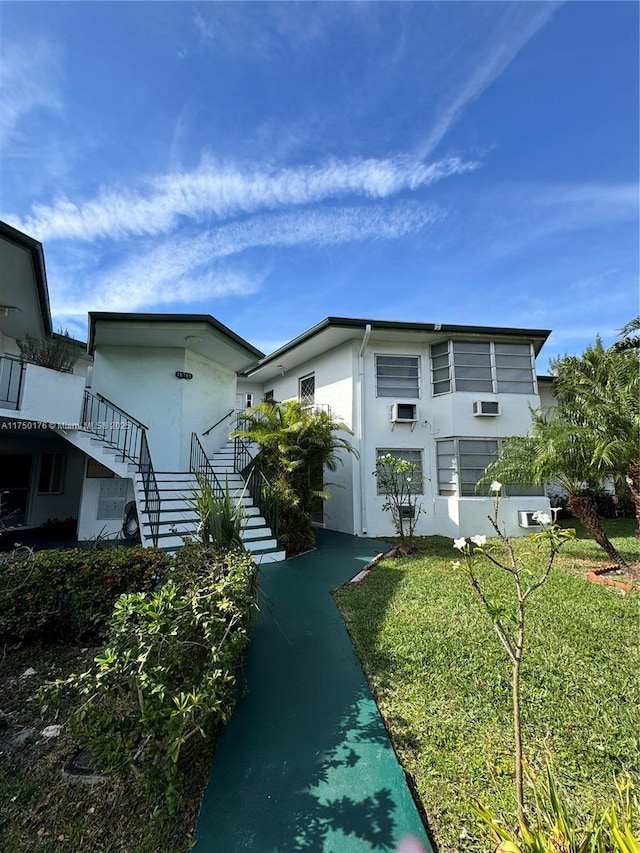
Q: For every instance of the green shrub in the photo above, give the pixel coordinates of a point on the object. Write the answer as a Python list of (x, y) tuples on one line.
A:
[(168, 671), (70, 593)]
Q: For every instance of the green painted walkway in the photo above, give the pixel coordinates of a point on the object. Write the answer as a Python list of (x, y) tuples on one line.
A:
[(305, 763)]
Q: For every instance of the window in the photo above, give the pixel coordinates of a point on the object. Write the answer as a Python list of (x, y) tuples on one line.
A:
[(482, 367), (397, 376), (413, 456), (462, 462), (307, 390), (51, 473)]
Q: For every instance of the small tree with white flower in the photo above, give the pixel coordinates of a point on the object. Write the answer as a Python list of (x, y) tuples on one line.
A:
[(401, 482), (509, 623)]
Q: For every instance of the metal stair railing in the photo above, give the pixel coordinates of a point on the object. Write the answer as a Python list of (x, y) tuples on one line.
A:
[(199, 464), (151, 490), (262, 492), (128, 437)]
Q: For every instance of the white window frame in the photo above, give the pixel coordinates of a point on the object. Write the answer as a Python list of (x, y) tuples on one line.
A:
[(453, 486), (402, 453), (305, 399), (497, 377), (397, 393)]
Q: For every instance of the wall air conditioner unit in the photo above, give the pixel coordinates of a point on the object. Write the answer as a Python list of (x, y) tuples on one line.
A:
[(526, 519), (404, 413), (486, 408)]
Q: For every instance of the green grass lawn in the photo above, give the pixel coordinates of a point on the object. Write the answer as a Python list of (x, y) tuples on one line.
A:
[(442, 680)]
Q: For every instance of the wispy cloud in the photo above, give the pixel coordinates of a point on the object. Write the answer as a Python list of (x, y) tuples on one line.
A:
[(519, 23), (197, 268), (29, 75), (159, 206)]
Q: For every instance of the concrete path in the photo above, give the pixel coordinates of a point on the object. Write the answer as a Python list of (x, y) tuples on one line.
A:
[(305, 763)]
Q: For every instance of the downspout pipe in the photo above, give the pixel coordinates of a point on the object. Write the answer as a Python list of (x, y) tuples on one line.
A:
[(361, 435)]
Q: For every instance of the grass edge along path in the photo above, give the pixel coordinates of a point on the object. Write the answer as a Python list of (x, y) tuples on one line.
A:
[(442, 682)]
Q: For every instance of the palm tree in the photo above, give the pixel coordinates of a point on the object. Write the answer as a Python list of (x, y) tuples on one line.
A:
[(296, 443), (557, 449), (601, 389), (629, 340)]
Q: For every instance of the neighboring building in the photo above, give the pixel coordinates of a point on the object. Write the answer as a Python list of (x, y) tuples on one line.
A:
[(151, 400)]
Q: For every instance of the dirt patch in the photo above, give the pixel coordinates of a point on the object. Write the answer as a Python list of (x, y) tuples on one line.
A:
[(620, 579)]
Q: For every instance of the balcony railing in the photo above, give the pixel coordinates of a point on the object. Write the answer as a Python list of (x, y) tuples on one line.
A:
[(11, 372)]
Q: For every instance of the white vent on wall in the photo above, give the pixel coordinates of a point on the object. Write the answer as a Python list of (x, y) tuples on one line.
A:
[(404, 413), (486, 408), (526, 519)]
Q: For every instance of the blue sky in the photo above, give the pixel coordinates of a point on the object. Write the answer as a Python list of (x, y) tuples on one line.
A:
[(275, 163)]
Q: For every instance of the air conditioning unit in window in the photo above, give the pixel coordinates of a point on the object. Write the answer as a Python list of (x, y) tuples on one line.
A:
[(486, 408), (526, 519), (404, 413)]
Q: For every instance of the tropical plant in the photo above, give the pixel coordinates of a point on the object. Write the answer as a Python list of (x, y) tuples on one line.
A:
[(296, 445), (401, 482), (509, 620), (221, 518), (555, 827), (590, 438), (599, 392), (628, 340)]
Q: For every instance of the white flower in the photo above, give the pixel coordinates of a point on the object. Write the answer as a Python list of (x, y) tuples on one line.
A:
[(542, 518), (460, 544), (455, 565), (495, 486), (480, 541)]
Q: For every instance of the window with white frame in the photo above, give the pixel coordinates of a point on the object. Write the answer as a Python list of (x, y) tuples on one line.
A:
[(397, 376), (307, 390), (413, 456), (482, 367), (462, 462), (51, 475)]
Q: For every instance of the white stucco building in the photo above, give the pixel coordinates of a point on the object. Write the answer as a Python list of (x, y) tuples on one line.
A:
[(152, 398)]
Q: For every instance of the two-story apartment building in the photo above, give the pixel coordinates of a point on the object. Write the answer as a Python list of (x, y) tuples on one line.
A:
[(441, 396), (151, 399)]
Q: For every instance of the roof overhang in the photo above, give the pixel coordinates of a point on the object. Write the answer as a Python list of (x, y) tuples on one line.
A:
[(199, 333), (23, 285), (335, 331)]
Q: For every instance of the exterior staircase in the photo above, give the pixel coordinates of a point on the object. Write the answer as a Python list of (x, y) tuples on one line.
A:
[(178, 519), (162, 498)]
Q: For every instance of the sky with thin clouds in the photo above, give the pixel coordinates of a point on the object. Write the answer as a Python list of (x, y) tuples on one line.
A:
[(272, 164)]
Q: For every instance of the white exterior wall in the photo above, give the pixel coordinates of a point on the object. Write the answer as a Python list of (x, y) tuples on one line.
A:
[(334, 371), (356, 507), (142, 382), (48, 396), (90, 526)]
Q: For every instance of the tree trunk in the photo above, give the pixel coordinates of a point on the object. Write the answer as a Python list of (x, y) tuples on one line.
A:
[(584, 509), (517, 727), (633, 481)]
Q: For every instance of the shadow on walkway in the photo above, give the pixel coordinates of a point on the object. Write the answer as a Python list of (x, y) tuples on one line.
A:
[(305, 763)]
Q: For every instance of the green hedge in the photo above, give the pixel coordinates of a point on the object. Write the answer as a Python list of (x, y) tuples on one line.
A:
[(70, 593)]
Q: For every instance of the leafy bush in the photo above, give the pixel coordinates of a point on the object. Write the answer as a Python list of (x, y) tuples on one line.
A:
[(168, 670), (70, 592)]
